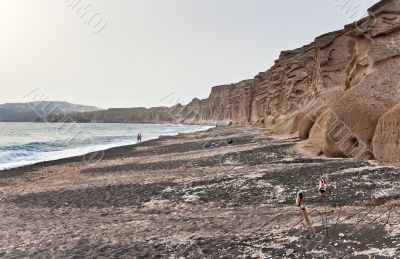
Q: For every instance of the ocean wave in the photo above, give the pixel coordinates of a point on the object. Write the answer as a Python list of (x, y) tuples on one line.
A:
[(9, 156), (32, 147)]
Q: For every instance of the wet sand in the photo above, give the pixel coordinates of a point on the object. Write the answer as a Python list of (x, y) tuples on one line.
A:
[(173, 198)]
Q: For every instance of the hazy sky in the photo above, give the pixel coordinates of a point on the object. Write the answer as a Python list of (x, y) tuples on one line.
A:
[(149, 49)]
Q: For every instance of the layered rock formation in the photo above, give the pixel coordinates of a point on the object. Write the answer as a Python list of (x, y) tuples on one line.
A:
[(386, 142), (119, 115), (332, 92), (371, 88)]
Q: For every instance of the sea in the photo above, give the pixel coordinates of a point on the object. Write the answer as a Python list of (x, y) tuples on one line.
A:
[(29, 143)]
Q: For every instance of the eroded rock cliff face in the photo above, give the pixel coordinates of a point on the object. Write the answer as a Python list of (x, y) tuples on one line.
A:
[(371, 89), (386, 142), (332, 92)]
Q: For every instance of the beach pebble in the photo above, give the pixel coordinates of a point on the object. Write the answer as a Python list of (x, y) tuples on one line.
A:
[(336, 244)]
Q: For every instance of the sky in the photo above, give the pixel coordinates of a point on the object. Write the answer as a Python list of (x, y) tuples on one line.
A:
[(143, 53)]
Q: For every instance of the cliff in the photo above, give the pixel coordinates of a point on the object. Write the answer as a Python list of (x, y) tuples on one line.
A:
[(36, 111), (332, 92)]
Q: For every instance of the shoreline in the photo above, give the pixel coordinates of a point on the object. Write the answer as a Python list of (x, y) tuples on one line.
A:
[(170, 197), (74, 158)]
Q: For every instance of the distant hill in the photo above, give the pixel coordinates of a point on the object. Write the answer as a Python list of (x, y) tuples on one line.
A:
[(36, 111)]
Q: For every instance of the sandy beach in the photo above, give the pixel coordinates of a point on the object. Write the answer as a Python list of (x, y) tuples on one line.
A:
[(174, 198)]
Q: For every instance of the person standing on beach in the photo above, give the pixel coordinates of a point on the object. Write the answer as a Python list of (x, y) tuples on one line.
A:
[(304, 213), (322, 187), (300, 200), (139, 137)]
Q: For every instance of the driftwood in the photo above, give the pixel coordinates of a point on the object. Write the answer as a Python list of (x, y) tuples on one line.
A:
[(383, 196)]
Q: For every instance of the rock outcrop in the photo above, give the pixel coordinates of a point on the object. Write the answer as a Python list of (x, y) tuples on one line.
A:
[(386, 142), (371, 87), (332, 92)]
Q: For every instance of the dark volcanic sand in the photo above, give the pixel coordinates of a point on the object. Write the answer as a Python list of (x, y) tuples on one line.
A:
[(172, 198)]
